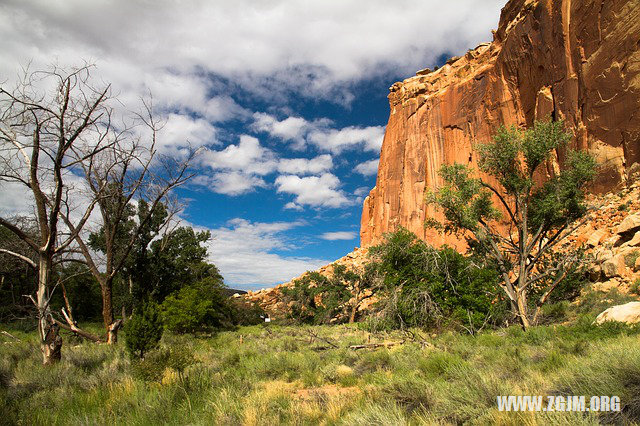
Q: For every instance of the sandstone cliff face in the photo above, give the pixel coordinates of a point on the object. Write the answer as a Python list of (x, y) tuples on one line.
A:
[(573, 60)]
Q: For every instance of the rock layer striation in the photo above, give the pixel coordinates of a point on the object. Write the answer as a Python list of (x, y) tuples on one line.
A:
[(578, 61)]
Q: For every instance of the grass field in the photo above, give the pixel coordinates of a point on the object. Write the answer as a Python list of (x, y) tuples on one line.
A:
[(267, 375)]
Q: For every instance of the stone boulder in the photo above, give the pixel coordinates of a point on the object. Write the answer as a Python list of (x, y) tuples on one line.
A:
[(614, 267), (596, 237), (628, 313), (634, 241), (630, 224)]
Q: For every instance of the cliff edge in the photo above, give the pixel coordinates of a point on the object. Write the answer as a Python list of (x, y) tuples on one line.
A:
[(578, 61)]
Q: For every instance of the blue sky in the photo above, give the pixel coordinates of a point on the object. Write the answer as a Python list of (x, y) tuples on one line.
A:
[(288, 100)]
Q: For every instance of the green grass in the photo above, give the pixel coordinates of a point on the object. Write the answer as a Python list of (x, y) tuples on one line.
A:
[(283, 374)]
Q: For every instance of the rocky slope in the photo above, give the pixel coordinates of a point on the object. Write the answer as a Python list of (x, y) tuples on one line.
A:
[(573, 60), (270, 299), (610, 236)]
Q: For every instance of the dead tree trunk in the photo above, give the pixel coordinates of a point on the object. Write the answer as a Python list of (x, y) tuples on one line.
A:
[(111, 324), (50, 340)]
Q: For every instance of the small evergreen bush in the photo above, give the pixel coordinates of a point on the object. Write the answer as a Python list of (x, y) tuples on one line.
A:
[(143, 331)]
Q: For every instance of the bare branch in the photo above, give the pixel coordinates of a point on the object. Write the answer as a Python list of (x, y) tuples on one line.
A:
[(21, 257)]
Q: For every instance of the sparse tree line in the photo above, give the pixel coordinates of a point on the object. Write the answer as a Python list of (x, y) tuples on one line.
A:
[(102, 235), (102, 239), (515, 224)]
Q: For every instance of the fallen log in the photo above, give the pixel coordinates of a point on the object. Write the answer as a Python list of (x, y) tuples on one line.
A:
[(423, 344), (375, 345)]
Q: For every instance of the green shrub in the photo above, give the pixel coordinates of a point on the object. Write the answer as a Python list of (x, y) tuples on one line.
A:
[(180, 357), (143, 331), (317, 299), (198, 307), (635, 287), (624, 206), (594, 302), (427, 287)]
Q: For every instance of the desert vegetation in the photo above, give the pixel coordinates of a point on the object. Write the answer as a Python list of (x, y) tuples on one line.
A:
[(441, 334), (270, 374)]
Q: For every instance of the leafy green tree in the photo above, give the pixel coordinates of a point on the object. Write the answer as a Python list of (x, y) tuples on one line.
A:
[(426, 287), (144, 330), (197, 307), (178, 259), (538, 216), (132, 284), (245, 312)]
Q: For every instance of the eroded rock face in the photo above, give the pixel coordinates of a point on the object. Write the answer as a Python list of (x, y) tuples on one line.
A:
[(573, 60)]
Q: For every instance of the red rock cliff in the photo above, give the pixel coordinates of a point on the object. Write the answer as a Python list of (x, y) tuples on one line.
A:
[(574, 60)]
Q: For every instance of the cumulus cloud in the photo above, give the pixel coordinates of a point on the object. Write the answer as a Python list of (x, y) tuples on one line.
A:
[(320, 133), (247, 156), (339, 235), (315, 191), (360, 193), (293, 206), (237, 169), (303, 166), (240, 168), (368, 168), (307, 46), (291, 129), (230, 182), (182, 131), (337, 140), (245, 253)]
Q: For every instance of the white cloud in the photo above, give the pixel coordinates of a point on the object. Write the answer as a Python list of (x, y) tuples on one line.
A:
[(244, 252), (248, 156), (360, 193), (309, 45), (303, 166), (237, 169), (293, 206), (316, 191), (368, 168), (340, 235), (230, 182), (17, 200), (291, 129), (319, 133), (181, 131), (337, 140), (223, 108)]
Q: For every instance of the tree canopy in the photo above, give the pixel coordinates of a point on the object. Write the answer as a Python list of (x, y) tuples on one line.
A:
[(531, 217)]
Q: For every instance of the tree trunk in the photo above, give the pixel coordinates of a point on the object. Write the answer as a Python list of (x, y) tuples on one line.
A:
[(354, 308), (110, 324), (352, 317), (523, 311), (50, 340), (52, 344)]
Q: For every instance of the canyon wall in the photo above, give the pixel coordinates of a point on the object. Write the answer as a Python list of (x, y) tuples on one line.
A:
[(578, 61)]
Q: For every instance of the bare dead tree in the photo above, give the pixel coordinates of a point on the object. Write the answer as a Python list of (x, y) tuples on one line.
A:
[(50, 122), (130, 171)]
